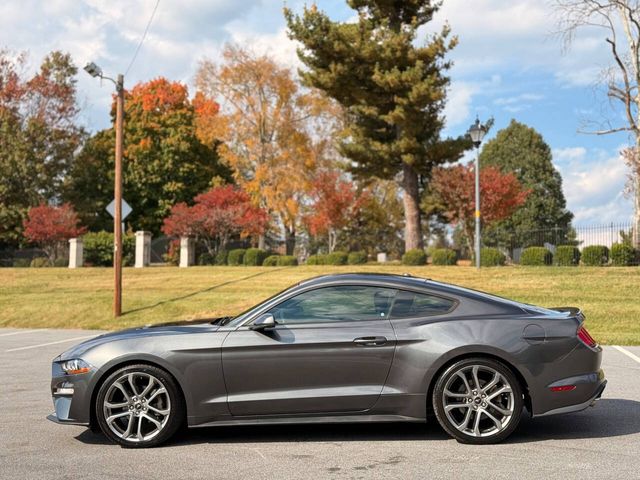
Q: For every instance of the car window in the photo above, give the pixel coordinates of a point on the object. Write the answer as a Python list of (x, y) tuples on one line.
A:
[(410, 304), (336, 304)]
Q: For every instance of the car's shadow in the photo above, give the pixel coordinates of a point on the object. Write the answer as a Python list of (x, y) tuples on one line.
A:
[(610, 418)]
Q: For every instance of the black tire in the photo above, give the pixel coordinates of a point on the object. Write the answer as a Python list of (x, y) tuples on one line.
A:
[(175, 418), (477, 404)]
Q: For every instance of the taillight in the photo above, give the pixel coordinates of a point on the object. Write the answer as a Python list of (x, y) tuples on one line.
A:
[(585, 338)]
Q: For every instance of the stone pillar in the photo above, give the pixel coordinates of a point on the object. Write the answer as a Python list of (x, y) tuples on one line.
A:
[(187, 252), (75, 253), (143, 249), (382, 257)]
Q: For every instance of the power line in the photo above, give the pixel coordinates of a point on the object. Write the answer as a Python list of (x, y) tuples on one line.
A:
[(144, 35)]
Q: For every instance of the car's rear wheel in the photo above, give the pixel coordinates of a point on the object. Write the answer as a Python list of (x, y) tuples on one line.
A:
[(139, 406), (478, 400)]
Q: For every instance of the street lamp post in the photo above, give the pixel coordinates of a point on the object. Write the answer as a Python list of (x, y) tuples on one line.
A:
[(477, 131), (95, 71)]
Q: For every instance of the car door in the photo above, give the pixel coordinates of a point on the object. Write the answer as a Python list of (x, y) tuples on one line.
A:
[(330, 352)]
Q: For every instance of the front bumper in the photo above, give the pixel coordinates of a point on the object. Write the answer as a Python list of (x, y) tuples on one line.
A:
[(71, 397)]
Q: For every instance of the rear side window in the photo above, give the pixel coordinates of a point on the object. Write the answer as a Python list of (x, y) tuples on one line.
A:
[(410, 304)]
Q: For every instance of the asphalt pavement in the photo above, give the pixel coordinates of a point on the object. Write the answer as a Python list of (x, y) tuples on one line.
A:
[(601, 442)]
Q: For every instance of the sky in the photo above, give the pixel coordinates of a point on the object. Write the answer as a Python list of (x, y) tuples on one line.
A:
[(508, 64)]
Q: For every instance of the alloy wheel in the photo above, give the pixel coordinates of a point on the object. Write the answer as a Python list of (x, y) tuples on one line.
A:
[(478, 401), (137, 407)]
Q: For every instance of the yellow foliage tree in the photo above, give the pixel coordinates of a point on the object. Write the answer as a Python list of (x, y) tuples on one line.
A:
[(273, 134)]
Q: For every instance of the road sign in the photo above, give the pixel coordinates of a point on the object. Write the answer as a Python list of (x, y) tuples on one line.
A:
[(126, 209)]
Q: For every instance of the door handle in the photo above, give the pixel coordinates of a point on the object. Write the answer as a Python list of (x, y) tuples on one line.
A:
[(370, 341)]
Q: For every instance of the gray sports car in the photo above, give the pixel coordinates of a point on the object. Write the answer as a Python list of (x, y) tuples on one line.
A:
[(337, 348)]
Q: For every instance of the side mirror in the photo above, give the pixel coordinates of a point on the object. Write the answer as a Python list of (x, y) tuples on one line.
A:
[(264, 322)]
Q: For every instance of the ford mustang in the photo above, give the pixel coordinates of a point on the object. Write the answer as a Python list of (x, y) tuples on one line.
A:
[(333, 349)]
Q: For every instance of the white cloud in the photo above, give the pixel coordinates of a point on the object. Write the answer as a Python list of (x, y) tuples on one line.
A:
[(593, 182)]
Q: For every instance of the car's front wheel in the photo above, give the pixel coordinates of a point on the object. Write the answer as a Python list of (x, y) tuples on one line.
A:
[(139, 406), (478, 400)]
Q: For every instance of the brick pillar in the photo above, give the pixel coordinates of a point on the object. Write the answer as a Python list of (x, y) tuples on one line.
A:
[(76, 253), (187, 252), (143, 249)]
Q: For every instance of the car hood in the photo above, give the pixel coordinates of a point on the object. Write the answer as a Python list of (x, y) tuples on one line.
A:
[(170, 328)]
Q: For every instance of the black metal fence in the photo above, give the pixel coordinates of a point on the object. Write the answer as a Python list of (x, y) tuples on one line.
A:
[(580, 236)]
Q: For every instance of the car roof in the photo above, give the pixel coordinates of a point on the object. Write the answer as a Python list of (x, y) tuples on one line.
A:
[(409, 281)]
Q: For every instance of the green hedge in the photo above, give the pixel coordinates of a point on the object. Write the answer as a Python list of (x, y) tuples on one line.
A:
[(271, 261), (337, 258), (221, 257), (444, 256), (236, 256), (317, 260), (206, 259), (98, 249), (21, 263), (536, 256), (623, 254), (414, 257), (357, 258), (40, 262), (287, 261), (492, 257), (566, 256), (595, 255), (254, 257)]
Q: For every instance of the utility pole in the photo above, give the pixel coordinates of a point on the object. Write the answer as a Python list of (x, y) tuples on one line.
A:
[(96, 72), (117, 220)]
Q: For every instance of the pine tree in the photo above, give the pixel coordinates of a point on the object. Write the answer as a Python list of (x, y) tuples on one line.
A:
[(392, 90), (521, 150)]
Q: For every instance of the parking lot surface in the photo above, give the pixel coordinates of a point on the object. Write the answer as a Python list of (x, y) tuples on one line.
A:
[(601, 442)]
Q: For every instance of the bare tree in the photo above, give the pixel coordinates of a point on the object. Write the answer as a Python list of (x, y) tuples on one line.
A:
[(620, 20)]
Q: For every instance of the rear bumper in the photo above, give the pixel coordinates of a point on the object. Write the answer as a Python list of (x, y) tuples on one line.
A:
[(589, 390)]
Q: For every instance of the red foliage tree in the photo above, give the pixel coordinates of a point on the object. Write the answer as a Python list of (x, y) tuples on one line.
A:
[(49, 227), (335, 202), (215, 217), (454, 189)]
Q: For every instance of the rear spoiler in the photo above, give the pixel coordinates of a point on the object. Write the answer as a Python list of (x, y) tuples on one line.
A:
[(572, 311)]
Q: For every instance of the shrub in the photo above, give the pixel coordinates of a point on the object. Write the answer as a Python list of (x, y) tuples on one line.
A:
[(357, 258), (595, 255), (254, 257), (317, 260), (236, 256), (21, 263), (492, 257), (337, 258), (566, 256), (61, 262), (221, 258), (287, 261), (444, 256), (40, 262), (98, 249), (206, 259), (622, 254), (536, 256), (414, 257), (271, 261)]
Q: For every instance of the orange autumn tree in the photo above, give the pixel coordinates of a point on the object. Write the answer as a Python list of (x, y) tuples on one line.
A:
[(335, 202), (271, 132), (454, 189)]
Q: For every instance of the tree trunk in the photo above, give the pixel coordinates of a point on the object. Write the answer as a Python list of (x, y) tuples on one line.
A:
[(411, 200), (635, 232), (261, 242), (290, 239)]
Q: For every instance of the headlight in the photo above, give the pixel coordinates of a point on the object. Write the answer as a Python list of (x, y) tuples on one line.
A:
[(75, 367)]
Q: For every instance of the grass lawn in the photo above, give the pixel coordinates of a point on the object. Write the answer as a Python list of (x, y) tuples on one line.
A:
[(63, 298)]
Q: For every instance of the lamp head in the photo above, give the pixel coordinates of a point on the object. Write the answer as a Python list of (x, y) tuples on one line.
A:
[(93, 69)]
